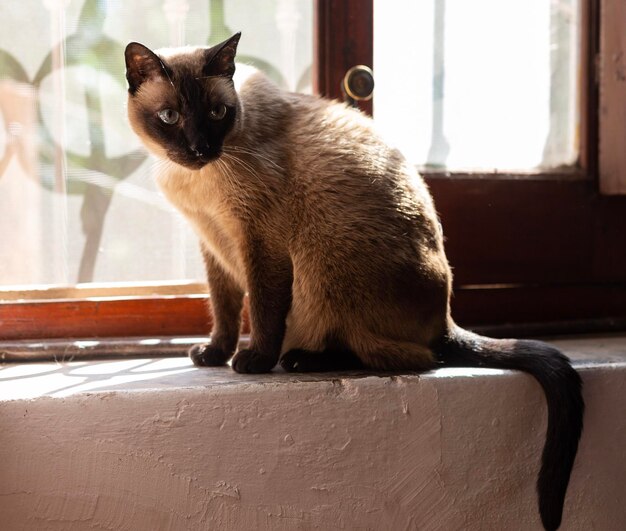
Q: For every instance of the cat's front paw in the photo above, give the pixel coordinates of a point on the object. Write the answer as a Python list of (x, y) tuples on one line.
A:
[(208, 355), (253, 361)]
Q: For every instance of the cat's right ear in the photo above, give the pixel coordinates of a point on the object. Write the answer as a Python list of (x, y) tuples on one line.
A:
[(142, 64), (220, 59)]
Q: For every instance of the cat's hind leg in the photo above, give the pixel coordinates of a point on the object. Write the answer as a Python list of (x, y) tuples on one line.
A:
[(373, 354), (383, 354), (328, 360)]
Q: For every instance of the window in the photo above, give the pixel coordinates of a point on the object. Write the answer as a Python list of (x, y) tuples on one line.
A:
[(489, 85), (79, 208), (526, 246), (77, 199)]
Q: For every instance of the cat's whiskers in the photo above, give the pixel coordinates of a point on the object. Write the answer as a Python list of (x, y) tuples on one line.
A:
[(253, 153), (160, 165), (258, 176), (226, 173), (230, 160), (247, 167)]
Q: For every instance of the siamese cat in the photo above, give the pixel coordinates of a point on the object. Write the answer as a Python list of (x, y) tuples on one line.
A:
[(332, 233)]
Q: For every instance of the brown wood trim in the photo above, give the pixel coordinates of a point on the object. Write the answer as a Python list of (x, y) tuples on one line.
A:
[(557, 174), (552, 329), (94, 318), (588, 106), (531, 232), (344, 38), (189, 315), (182, 315), (612, 116), (481, 306)]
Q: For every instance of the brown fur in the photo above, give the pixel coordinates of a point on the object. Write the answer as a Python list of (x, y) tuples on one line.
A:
[(330, 231), (298, 201)]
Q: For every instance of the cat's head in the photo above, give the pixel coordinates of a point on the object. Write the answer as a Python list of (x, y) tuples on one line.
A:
[(182, 102)]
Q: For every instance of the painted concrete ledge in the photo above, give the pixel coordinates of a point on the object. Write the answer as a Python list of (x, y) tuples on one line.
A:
[(160, 445)]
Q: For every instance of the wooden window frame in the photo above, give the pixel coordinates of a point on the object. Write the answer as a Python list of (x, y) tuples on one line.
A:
[(611, 76), (542, 248)]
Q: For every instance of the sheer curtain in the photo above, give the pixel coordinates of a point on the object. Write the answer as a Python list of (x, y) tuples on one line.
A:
[(77, 199)]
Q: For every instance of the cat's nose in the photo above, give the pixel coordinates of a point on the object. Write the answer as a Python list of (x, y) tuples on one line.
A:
[(197, 149)]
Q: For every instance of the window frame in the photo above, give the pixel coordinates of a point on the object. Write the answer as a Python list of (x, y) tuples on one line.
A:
[(539, 247), (525, 248)]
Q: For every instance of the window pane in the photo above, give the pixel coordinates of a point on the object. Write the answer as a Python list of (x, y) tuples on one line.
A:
[(484, 84), (77, 197)]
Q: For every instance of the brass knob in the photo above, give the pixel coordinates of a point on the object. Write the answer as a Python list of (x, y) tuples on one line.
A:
[(358, 83)]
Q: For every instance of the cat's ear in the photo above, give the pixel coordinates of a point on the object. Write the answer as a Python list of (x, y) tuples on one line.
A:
[(142, 64), (219, 60)]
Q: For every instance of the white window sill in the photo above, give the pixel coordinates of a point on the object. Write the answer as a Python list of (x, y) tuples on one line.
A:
[(148, 444)]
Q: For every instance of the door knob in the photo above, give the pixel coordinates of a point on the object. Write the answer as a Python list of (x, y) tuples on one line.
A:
[(358, 84)]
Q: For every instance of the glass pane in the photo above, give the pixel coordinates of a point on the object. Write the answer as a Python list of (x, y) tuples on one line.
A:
[(485, 84), (77, 199)]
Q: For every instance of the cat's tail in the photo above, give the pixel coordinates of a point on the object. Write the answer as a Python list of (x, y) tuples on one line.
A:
[(562, 387)]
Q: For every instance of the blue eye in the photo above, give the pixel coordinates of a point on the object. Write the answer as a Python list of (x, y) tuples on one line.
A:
[(218, 112), (169, 116)]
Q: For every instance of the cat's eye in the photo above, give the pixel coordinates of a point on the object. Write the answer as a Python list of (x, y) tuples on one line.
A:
[(169, 116), (218, 112)]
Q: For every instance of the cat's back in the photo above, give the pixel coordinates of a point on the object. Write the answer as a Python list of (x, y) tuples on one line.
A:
[(339, 154), (340, 172), (336, 145), (333, 127), (310, 125)]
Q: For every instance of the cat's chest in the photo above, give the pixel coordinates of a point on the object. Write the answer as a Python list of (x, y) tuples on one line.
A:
[(201, 198), (190, 191)]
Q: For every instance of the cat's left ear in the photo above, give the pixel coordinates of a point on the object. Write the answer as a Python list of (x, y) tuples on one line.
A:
[(219, 60), (142, 64)]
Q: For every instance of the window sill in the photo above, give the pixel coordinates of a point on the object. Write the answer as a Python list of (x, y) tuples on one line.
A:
[(159, 444)]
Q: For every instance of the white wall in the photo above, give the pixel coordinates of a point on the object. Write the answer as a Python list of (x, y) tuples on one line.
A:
[(207, 449)]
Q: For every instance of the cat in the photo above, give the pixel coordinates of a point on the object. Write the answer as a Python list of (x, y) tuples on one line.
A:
[(332, 233)]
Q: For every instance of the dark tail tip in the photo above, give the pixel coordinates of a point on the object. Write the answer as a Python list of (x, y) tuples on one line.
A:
[(562, 385), (563, 389)]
